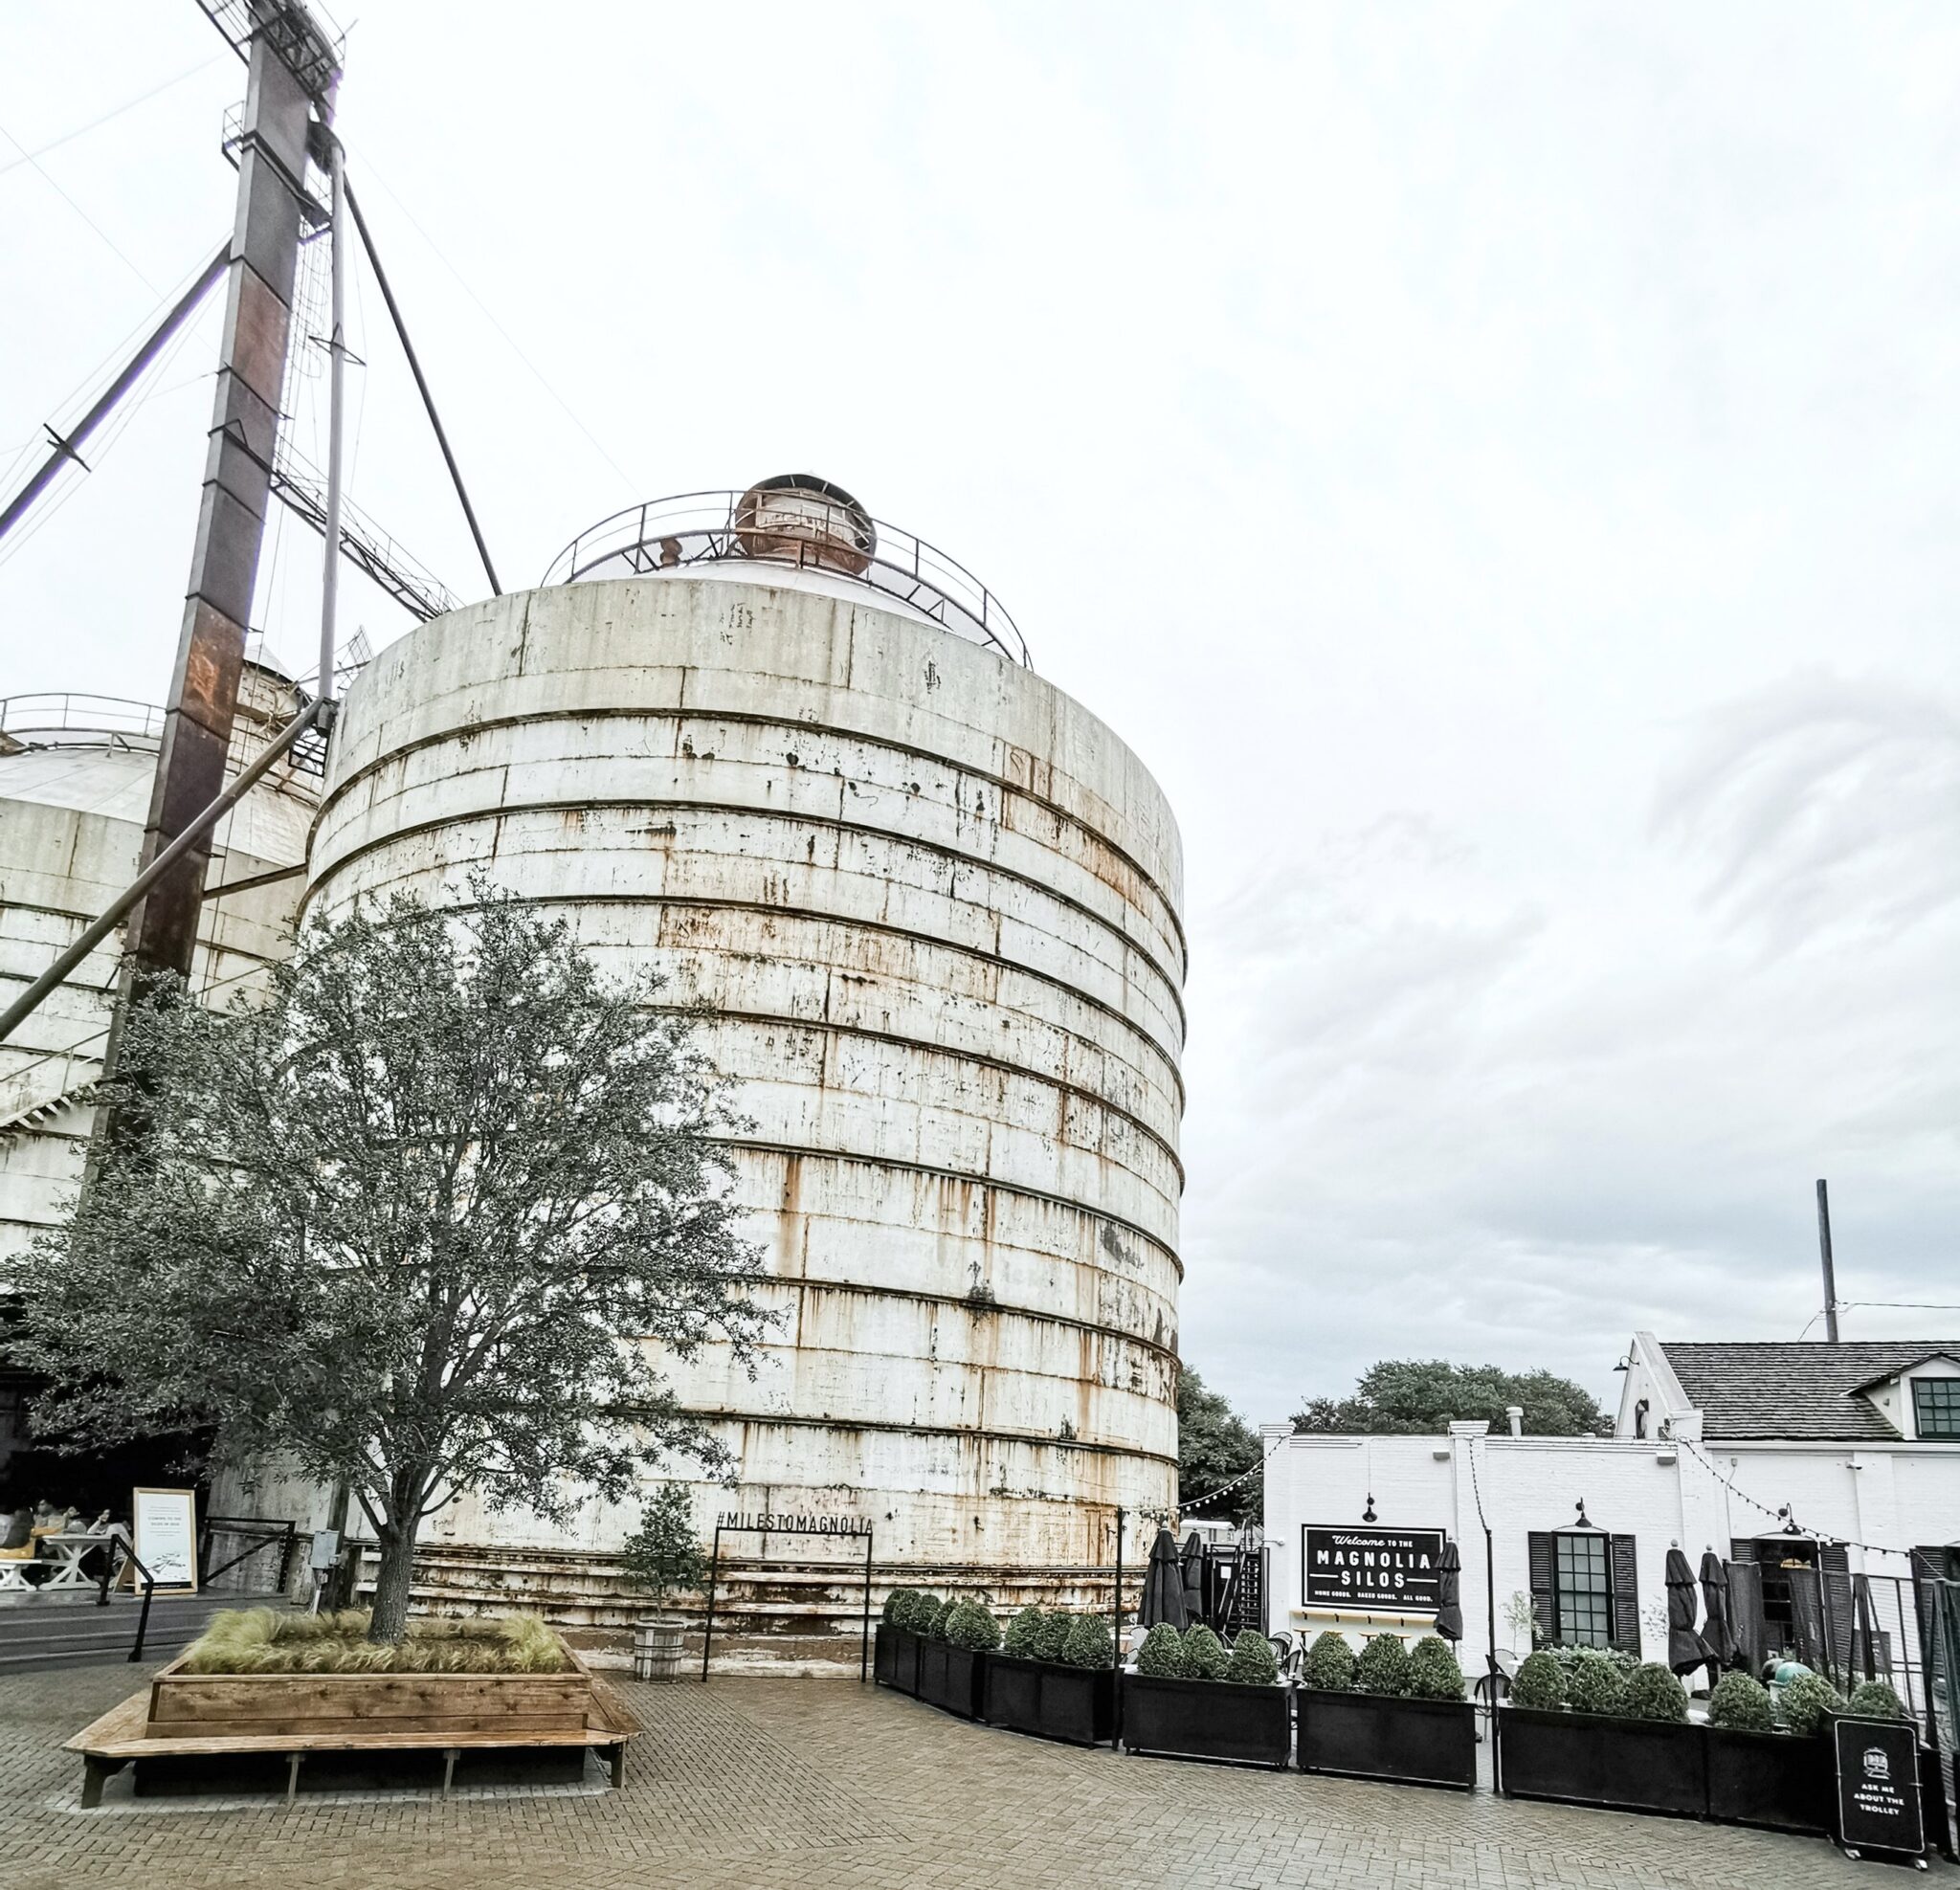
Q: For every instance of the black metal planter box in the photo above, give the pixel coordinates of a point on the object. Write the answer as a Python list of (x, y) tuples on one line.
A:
[(1417, 1741), (1586, 1759), (1769, 1778), (895, 1658), (951, 1677), (1049, 1700), (1247, 1725)]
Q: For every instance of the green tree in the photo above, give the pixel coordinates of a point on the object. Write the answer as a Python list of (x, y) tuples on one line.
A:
[(1419, 1397), (663, 1555), (406, 1224), (1214, 1444)]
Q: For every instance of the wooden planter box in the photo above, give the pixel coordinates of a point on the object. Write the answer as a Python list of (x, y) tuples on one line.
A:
[(1362, 1735), (895, 1658), (1217, 1720), (951, 1677), (186, 1715), (1050, 1699), (1588, 1759), (1773, 1779)]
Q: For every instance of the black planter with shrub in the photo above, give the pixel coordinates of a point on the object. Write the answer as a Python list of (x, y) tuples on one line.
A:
[(1054, 1677), (1592, 1733), (953, 1664), (895, 1658), (1246, 1726), (1050, 1699), (1390, 1715), (1190, 1699), (1414, 1741), (951, 1677), (1773, 1779)]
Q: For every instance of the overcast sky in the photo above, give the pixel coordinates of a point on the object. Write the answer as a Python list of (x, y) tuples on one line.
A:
[(1496, 465)]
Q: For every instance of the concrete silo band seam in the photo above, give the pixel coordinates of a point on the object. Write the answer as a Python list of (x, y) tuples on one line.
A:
[(888, 1161), (666, 804), (661, 712), (816, 914), (972, 1057), (963, 1433), (1002, 1309)]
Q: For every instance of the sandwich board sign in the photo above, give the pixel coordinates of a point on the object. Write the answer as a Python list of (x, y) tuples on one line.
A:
[(1878, 1785), (164, 1533)]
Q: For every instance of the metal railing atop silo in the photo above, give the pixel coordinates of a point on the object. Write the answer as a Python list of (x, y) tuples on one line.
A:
[(701, 527)]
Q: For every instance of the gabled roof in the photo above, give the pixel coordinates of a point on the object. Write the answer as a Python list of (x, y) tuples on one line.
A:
[(1800, 1388), (1889, 1372)]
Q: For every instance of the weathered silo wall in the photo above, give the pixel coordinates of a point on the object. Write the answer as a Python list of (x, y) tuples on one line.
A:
[(74, 789), (934, 903)]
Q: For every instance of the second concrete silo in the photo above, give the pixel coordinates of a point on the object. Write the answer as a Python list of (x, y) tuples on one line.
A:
[(791, 760)]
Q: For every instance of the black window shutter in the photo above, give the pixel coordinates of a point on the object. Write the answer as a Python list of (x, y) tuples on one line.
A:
[(1542, 1597), (1626, 1597), (1834, 1559)]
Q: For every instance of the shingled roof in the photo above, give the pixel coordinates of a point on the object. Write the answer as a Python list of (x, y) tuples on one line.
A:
[(1794, 1388)]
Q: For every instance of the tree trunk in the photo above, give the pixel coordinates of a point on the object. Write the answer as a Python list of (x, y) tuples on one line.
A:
[(392, 1585)]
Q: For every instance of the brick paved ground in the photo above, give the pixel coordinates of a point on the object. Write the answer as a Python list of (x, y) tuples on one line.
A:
[(753, 1782)]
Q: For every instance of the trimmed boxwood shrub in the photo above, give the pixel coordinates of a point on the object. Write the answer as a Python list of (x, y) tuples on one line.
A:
[(1052, 1636), (916, 1611), (1161, 1657), (942, 1615), (1805, 1701), (1740, 1701), (1874, 1700), (1329, 1663), (889, 1614), (1383, 1666), (1433, 1669), (1088, 1643), (1252, 1662), (1204, 1656), (972, 1626), (1023, 1639), (1539, 1683), (1653, 1692), (1593, 1685)]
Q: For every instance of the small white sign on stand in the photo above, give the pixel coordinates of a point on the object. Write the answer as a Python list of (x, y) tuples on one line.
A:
[(164, 1533)]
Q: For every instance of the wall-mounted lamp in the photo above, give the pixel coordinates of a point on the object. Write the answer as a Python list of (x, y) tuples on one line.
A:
[(1585, 1522), (1368, 1515)]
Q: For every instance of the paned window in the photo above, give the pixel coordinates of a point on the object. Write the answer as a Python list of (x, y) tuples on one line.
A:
[(1936, 1407), (1582, 1590)]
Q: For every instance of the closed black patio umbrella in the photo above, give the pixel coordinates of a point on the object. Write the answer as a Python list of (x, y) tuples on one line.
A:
[(1163, 1584), (1686, 1650), (1716, 1630), (1448, 1608), (1191, 1564)]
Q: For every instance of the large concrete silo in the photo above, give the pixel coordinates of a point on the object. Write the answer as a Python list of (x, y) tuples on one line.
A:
[(791, 759), (75, 773)]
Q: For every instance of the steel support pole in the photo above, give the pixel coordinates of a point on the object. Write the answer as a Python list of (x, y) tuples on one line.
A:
[(707, 1640), (864, 1650), (68, 448), (224, 567), (1116, 1678), (336, 410), (422, 386)]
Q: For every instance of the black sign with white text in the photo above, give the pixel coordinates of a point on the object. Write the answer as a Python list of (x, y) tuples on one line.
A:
[(1878, 1785), (1371, 1568)]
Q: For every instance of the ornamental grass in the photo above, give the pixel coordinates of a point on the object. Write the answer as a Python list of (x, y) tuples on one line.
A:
[(262, 1640)]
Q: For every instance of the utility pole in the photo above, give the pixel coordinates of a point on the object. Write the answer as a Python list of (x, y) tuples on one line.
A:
[(293, 69), (1830, 1272)]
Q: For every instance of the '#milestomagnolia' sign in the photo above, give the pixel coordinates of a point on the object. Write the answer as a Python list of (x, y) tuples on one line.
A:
[(1391, 1569)]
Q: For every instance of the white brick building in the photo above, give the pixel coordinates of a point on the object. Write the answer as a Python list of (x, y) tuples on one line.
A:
[(1840, 1458)]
